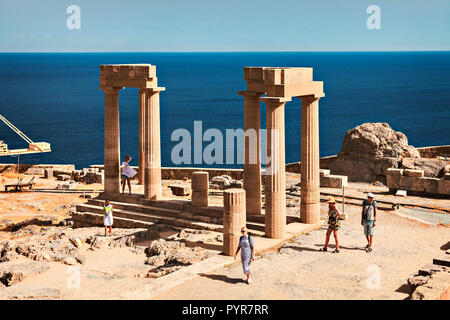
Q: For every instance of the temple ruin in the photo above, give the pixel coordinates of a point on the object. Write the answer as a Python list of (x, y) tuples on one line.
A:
[(273, 86)]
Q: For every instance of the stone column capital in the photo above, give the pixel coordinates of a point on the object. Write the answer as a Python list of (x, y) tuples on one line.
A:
[(110, 89), (309, 99), (152, 90), (275, 100)]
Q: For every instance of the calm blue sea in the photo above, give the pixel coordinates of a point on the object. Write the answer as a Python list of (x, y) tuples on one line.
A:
[(55, 98)]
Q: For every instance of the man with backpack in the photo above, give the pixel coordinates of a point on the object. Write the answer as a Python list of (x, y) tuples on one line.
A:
[(368, 219)]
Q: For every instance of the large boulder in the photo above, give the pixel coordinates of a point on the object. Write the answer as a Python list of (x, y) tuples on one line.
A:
[(368, 150)]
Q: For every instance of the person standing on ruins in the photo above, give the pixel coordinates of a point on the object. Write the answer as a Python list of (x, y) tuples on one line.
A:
[(247, 247), (334, 225), (108, 217), (127, 173), (368, 219)]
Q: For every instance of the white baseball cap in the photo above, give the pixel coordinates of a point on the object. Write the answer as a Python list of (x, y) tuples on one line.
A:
[(370, 195)]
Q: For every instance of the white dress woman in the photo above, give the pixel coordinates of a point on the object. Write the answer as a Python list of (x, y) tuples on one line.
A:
[(108, 217), (127, 173)]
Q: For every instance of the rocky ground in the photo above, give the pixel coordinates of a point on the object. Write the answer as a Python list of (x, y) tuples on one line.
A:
[(39, 257)]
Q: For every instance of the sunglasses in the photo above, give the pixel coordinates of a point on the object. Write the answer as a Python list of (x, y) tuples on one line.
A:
[(242, 231)]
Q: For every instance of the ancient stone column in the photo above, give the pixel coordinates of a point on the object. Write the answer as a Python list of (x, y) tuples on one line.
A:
[(141, 149), (275, 187), (233, 219), (112, 141), (200, 189), (152, 146), (310, 176), (252, 156)]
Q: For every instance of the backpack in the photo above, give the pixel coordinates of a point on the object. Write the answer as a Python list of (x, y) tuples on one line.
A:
[(249, 240), (365, 203)]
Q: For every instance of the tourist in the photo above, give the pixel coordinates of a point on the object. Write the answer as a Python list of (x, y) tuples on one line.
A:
[(334, 225), (368, 219), (127, 173), (247, 247), (108, 217)]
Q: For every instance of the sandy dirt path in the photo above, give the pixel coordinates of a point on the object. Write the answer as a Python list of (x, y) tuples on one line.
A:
[(300, 271)]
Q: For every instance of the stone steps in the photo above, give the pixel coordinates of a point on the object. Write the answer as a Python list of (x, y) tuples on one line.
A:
[(150, 215)]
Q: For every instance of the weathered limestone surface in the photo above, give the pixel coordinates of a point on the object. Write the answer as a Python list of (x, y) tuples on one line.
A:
[(368, 150)]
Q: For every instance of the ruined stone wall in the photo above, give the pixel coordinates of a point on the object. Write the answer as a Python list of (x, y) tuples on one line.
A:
[(433, 152), (414, 182)]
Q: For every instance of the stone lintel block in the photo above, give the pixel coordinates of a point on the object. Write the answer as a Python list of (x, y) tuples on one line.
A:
[(296, 90), (137, 71), (413, 173), (129, 82), (285, 76), (447, 176), (430, 185), (324, 172)]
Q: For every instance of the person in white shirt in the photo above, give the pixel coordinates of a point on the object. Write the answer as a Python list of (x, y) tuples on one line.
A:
[(127, 173), (108, 217)]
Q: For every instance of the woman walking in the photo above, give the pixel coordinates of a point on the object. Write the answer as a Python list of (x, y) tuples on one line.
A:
[(247, 247), (127, 173), (334, 224), (108, 217)]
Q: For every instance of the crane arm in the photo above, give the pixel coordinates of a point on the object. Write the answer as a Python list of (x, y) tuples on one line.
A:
[(20, 133)]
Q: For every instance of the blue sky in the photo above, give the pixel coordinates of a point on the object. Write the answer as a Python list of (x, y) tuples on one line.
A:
[(227, 25)]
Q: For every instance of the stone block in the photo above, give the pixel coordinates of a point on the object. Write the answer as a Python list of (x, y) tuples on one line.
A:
[(333, 181), (442, 261), (393, 177), (447, 176), (179, 190), (63, 177), (401, 193), (411, 183), (444, 187), (324, 172), (430, 185), (413, 173), (35, 171), (99, 178), (48, 173)]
